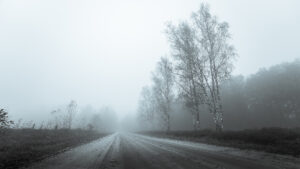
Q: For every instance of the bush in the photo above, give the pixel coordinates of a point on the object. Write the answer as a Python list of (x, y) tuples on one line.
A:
[(4, 121)]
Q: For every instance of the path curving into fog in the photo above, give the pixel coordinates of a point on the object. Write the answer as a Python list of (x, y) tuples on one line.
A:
[(133, 151)]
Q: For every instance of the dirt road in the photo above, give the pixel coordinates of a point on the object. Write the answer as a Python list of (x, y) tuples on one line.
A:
[(132, 151)]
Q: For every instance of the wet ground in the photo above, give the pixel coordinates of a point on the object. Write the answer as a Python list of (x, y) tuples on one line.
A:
[(132, 151)]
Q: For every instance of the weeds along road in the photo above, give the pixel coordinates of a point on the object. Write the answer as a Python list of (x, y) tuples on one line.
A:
[(132, 151)]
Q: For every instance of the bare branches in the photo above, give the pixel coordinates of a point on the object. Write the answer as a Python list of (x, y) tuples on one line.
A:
[(203, 59), (218, 54), (71, 111), (146, 107), (155, 102), (163, 81)]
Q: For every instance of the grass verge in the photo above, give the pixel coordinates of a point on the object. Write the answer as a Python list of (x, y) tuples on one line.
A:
[(273, 140), (21, 147)]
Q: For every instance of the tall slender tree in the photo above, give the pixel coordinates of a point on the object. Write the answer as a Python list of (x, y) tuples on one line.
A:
[(71, 112), (186, 55), (216, 54), (146, 108), (163, 82)]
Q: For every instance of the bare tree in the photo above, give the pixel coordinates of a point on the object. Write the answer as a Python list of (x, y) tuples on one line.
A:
[(216, 55), (146, 108), (186, 55), (71, 112), (163, 81)]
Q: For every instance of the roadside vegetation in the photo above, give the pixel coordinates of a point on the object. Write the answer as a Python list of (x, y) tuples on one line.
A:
[(25, 142), (21, 147), (272, 140)]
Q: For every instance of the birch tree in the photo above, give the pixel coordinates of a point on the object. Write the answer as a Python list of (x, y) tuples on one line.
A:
[(186, 55), (146, 108), (71, 112), (216, 54), (163, 81)]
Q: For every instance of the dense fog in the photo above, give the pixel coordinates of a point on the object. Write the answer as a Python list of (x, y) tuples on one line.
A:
[(147, 84), (119, 65)]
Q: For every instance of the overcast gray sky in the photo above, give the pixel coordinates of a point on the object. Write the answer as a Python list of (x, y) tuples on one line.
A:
[(102, 52)]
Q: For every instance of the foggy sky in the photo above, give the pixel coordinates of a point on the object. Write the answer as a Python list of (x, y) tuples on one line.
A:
[(102, 52)]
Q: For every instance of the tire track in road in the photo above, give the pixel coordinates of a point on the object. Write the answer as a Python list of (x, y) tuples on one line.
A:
[(87, 156), (112, 158), (104, 154)]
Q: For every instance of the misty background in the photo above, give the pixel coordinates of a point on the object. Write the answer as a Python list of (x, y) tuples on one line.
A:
[(101, 53)]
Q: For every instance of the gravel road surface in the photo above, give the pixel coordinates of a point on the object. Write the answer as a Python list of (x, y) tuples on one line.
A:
[(133, 151)]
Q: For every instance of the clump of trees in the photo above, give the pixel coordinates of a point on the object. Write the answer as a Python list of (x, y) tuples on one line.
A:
[(4, 120), (202, 58)]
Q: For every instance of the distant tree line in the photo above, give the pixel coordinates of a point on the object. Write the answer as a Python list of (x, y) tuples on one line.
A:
[(271, 97), (87, 118), (68, 117)]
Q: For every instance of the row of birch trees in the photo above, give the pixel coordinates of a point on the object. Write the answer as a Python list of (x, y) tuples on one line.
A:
[(201, 59)]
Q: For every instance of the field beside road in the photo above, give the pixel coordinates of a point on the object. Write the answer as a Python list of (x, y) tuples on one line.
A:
[(272, 140), (21, 147)]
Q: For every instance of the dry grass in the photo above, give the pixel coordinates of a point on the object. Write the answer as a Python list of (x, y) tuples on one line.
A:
[(21, 147), (273, 140)]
